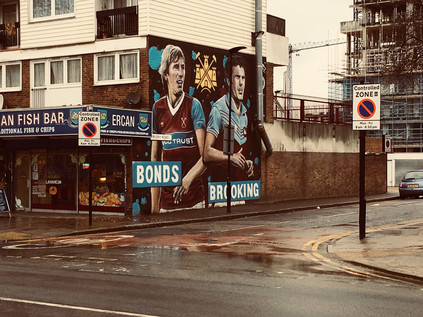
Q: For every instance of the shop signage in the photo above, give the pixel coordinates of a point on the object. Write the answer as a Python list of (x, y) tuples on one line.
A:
[(156, 174), (89, 129), (243, 190), (64, 121), (40, 122), (122, 122), (4, 204), (115, 141)]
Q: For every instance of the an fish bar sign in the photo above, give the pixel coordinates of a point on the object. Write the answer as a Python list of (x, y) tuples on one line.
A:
[(242, 190), (156, 174), (60, 121)]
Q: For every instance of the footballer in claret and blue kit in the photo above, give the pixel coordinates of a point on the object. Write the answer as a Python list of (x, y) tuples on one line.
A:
[(191, 94)]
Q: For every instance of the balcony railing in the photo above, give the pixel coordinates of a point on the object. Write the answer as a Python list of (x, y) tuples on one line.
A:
[(123, 21), (9, 35), (291, 108), (38, 97)]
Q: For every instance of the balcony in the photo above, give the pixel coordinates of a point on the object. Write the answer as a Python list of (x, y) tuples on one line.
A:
[(117, 22), (9, 35)]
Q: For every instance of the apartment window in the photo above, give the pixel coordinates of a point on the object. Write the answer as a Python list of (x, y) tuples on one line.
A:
[(116, 68), (51, 8), (10, 77), (74, 71), (39, 75), (66, 71)]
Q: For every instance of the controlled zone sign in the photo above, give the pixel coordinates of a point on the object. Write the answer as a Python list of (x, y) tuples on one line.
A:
[(240, 191), (89, 129), (156, 174), (366, 107)]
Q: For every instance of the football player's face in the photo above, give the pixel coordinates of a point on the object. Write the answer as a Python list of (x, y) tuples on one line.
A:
[(238, 83), (176, 77)]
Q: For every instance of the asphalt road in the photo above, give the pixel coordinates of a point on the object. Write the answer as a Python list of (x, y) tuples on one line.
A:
[(247, 267)]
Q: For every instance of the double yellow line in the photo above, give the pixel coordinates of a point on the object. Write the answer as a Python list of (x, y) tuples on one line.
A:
[(311, 250)]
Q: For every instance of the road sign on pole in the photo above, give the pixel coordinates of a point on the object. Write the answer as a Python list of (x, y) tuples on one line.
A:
[(89, 129), (366, 107)]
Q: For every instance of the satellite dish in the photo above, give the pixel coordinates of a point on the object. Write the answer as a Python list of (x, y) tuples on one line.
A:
[(133, 98), (1, 101)]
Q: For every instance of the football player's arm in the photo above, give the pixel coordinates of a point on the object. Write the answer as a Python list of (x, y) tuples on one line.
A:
[(155, 191), (196, 171), (213, 155)]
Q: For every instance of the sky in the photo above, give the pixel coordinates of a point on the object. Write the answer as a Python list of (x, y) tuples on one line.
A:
[(309, 21)]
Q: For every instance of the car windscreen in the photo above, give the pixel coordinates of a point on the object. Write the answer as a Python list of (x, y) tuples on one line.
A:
[(413, 175)]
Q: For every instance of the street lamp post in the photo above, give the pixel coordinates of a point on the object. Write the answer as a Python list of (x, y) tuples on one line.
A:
[(229, 134)]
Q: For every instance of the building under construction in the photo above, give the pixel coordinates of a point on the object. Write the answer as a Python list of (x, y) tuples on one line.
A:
[(372, 52)]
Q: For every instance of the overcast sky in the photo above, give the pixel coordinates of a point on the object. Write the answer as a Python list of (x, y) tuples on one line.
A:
[(312, 21)]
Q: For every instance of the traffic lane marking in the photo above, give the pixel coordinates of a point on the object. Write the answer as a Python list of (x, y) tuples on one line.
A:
[(72, 307)]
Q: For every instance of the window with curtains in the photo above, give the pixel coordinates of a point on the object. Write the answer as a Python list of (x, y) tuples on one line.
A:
[(10, 76), (51, 8), (115, 68), (65, 71)]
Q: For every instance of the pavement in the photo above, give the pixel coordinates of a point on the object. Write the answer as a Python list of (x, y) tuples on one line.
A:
[(392, 250)]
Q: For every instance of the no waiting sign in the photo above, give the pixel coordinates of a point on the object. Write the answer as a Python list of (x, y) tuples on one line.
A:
[(89, 128), (366, 107)]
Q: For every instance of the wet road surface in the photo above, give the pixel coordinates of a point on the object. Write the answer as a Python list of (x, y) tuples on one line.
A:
[(259, 266)]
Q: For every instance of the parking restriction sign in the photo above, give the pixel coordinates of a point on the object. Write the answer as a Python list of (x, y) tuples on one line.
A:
[(366, 107), (89, 128)]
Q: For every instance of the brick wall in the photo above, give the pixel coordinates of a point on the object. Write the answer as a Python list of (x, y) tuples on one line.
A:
[(374, 145), (295, 175), (268, 94), (288, 174)]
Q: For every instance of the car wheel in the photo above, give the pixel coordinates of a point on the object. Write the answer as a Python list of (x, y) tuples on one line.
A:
[(402, 196)]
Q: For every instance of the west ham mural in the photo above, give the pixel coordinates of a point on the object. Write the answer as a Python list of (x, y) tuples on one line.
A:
[(190, 89)]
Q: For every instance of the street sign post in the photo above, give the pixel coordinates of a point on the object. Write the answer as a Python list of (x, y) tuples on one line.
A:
[(366, 116), (89, 135)]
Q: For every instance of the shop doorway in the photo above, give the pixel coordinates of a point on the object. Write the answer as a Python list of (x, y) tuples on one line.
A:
[(53, 184), (22, 181)]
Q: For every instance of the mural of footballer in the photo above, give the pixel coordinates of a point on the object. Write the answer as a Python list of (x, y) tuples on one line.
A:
[(182, 116), (219, 117)]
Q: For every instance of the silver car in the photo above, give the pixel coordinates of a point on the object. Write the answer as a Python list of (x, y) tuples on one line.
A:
[(411, 184)]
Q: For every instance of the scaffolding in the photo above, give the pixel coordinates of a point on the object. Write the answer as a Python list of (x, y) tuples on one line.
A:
[(371, 49)]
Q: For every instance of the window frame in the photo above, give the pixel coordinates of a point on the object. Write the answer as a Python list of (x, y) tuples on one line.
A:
[(3, 80), (53, 15), (65, 72), (116, 80)]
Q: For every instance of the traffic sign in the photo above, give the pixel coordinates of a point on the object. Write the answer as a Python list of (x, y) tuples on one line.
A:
[(89, 128), (366, 107)]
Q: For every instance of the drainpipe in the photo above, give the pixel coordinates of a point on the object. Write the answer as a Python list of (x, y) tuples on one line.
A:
[(258, 39)]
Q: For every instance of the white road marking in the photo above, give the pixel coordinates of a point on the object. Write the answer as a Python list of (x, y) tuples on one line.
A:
[(96, 310)]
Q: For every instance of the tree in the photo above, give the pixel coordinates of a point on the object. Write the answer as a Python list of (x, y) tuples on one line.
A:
[(404, 40)]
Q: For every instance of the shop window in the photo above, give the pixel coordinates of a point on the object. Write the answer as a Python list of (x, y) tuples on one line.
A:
[(108, 182)]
